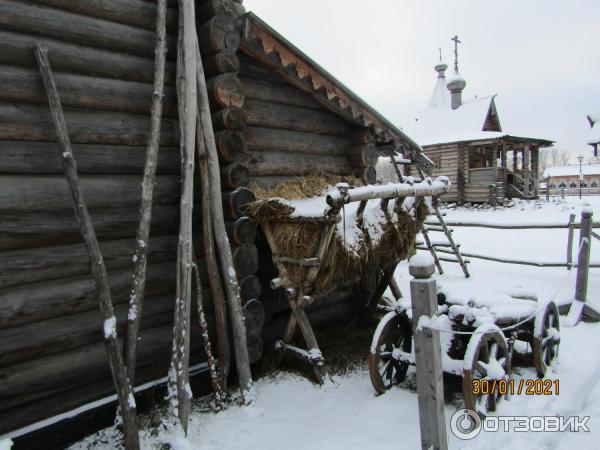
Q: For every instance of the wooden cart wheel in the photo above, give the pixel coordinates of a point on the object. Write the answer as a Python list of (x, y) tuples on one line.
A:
[(486, 358), (393, 334), (546, 338)]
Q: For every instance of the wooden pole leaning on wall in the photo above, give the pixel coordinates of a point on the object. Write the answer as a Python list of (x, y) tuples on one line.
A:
[(428, 355), (570, 242), (113, 347), (579, 309), (223, 246), (179, 392), (136, 298)]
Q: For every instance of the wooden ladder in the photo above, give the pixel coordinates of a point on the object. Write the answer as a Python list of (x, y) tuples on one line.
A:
[(434, 246)]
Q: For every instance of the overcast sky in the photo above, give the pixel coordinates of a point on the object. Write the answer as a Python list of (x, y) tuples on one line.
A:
[(542, 57)]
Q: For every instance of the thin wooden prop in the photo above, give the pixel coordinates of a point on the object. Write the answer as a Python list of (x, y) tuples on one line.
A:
[(212, 264), (570, 242), (136, 298), (179, 389), (224, 248), (214, 377), (113, 347)]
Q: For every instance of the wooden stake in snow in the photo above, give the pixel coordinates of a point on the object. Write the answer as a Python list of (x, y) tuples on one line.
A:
[(141, 242), (214, 377), (180, 393), (113, 347), (224, 249), (212, 265)]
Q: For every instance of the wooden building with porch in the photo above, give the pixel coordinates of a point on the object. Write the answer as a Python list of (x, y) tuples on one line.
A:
[(466, 142)]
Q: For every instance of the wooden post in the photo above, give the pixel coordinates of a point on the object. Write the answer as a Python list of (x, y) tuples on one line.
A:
[(526, 170), (562, 193), (547, 189), (495, 163), (583, 262), (515, 161), (460, 175), (116, 363), (535, 156), (428, 356), (570, 242), (492, 195)]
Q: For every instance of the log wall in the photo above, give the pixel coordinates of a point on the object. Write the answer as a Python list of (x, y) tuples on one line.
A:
[(52, 358)]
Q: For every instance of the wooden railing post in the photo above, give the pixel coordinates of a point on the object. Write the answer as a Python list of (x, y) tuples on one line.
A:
[(547, 189), (428, 355), (570, 242), (583, 266)]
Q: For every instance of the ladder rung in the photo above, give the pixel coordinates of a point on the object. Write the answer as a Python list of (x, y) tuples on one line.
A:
[(444, 244), (444, 258), (440, 229)]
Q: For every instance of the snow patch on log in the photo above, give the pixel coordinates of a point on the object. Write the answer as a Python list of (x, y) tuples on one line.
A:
[(110, 327)]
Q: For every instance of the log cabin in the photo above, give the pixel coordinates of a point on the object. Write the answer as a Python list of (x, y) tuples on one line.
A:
[(277, 115), (466, 142)]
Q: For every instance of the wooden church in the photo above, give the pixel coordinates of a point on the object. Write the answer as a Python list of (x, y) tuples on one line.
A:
[(466, 142)]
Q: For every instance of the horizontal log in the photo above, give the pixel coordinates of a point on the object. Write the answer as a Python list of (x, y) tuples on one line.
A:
[(48, 263), (234, 176), (254, 317), (250, 67), (245, 260), (59, 227), (221, 34), (241, 231), (66, 57), (250, 288), (277, 93), (49, 22), (271, 163), (137, 13), (225, 91), (50, 375), (367, 174), (220, 63), (235, 201), (230, 145), (363, 156), (39, 339), (43, 158), (84, 92), (41, 301), (47, 192), (34, 123), (275, 140), (229, 119), (288, 117)]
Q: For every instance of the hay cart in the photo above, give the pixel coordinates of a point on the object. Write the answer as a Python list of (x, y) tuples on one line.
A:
[(478, 339), (318, 255)]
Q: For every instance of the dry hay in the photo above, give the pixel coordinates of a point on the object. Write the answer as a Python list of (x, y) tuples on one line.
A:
[(340, 264)]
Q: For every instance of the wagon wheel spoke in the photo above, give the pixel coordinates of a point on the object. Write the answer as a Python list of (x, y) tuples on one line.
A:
[(493, 351), (481, 368), (384, 369)]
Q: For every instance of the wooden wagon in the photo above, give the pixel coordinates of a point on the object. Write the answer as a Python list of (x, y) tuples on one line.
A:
[(298, 276), (479, 339)]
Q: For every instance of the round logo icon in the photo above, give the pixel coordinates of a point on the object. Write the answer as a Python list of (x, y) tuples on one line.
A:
[(465, 424)]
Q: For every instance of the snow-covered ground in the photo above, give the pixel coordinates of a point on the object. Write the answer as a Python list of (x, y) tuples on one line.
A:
[(292, 413)]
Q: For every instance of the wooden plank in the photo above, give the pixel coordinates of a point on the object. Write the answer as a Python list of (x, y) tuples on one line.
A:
[(47, 263), (263, 164), (22, 85), (288, 117), (48, 22), (276, 140), (46, 192), (277, 93), (39, 339), (45, 300), (77, 58), (33, 123), (570, 242), (58, 227), (137, 13), (39, 158)]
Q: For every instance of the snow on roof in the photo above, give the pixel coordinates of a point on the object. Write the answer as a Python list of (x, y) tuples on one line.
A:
[(594, 117), (571, 170), (595, 134), (433, 123)]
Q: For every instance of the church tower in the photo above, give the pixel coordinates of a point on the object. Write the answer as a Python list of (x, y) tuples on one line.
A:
[(456, 83), (440, 96)]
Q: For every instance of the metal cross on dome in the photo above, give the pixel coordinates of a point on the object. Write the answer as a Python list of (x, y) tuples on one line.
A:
[(456, 42)]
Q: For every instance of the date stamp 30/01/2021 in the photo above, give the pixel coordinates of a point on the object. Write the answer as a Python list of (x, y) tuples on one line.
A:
[(523, 386)]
